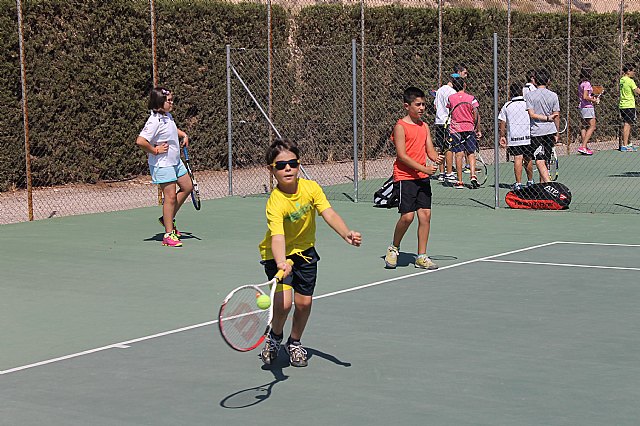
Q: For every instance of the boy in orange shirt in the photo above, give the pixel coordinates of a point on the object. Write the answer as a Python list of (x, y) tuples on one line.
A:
[(411, 173)]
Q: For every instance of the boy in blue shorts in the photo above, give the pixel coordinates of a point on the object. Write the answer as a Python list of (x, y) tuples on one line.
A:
[(291, 234)]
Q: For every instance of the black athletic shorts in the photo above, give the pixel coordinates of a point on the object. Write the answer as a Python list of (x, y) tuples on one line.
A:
[(414, 195), (628, 115), (304, 274), (524, 150), (542, 146)]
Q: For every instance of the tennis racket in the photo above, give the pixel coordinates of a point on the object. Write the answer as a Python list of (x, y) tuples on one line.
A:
[(460, 127), (597, 91), (243, 325), (195, 193)]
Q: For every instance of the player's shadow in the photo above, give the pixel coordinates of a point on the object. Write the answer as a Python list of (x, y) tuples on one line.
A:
[(626, 174), (184, 236), (406, 259), (246, 398), (249, 397)]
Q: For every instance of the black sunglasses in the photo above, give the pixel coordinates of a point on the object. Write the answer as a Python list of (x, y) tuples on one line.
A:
[(280, 165)]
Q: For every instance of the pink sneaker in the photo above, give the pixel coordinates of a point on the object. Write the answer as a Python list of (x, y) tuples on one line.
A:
[(585, 151), (171, 240)]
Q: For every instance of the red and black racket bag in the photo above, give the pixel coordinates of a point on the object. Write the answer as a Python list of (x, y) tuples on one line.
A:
[(545, 196)]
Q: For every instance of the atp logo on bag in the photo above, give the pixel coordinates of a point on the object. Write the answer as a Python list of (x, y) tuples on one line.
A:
[(546, 196)]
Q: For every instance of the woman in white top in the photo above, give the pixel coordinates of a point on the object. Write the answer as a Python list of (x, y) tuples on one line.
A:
[(160, 138)]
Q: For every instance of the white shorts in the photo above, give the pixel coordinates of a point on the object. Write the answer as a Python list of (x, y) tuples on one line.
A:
[(588, 113)]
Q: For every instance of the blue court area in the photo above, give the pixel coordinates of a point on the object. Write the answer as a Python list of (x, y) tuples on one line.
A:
[(514, 328)]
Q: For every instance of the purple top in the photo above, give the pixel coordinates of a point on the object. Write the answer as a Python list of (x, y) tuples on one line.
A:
[(585, 85)]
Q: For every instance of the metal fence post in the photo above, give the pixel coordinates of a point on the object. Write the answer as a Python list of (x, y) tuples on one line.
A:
[(229, 134), (25, 113), (496, 137), (354, 94)]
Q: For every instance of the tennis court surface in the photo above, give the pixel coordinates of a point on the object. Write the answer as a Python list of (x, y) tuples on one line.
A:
[(531, 319)]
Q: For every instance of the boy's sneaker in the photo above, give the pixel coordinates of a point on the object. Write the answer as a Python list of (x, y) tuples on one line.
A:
[(175, 230), (270, 350), (441, 177), (516, 186), (474, 182), (530, 182), (628, 148), (451, 177), (391, 259), (171, 240), (297, 354), (422, 261), (467, 169), (459, 185)]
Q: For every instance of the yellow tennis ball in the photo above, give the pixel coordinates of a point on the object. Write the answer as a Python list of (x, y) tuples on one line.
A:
[(263, 301)]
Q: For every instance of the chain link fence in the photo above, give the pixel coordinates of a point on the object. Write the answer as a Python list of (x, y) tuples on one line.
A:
[(308, 93)]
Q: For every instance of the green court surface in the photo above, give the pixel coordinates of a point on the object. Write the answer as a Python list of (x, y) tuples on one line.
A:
[(531, 319)]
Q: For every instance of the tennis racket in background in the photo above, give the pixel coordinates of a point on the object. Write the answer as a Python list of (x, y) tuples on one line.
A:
[(461, 117), (597, 91), (243, 325), (195, 193)]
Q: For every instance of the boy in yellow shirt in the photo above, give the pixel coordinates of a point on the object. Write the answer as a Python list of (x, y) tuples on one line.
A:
[(291, 219), (627, 105)]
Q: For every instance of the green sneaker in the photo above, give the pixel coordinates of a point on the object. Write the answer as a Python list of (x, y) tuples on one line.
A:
[(422, 261)]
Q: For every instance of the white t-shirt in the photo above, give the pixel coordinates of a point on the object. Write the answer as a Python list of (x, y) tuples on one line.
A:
[(515, 114), (161, 128), (528, 87), (440, 102)]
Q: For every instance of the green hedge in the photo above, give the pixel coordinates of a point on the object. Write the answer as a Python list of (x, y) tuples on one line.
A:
[(89, 72)]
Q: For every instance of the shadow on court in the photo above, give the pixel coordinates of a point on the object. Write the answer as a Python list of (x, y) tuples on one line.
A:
[(249, 397), (184, 236)]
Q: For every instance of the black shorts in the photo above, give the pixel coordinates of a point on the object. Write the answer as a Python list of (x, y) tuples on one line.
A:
[(542, 146), (304, 274), (440, 137), (414, 195), (524, 150), (628, 115)]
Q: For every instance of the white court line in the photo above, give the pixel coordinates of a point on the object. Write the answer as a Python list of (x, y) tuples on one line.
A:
[(204, 324), (597, 244), (621, 268)]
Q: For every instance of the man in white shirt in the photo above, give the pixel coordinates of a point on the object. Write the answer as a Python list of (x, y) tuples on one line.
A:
[(515, 134), (439, 141)]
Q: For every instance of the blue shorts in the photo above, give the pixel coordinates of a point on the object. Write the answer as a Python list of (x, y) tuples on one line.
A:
[(167, 174), (469, 144)]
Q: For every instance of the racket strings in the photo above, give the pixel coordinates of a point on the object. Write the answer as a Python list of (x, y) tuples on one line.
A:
[(241, 321)]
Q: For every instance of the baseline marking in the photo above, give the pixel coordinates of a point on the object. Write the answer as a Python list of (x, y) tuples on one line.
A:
[(572, 265), (127, 343)]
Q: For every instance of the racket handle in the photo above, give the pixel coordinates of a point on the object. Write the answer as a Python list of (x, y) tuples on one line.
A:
[(280, 274)]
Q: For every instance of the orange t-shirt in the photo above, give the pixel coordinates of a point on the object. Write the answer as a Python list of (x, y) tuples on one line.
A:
[(415, 137)]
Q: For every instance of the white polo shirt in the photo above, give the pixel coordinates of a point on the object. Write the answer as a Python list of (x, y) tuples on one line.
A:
[(440, 102), (515, 114), (161, 128)]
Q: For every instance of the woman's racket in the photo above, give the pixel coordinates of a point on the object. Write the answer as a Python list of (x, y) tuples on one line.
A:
[(597, 91), (195, 193), (243, 325)]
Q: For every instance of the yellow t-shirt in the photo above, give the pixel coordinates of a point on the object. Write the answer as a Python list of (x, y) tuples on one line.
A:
[(627, 98), (294, 216)]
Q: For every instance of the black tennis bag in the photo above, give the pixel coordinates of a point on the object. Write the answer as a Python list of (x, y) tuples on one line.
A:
[(386, 196), (545, 196)]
